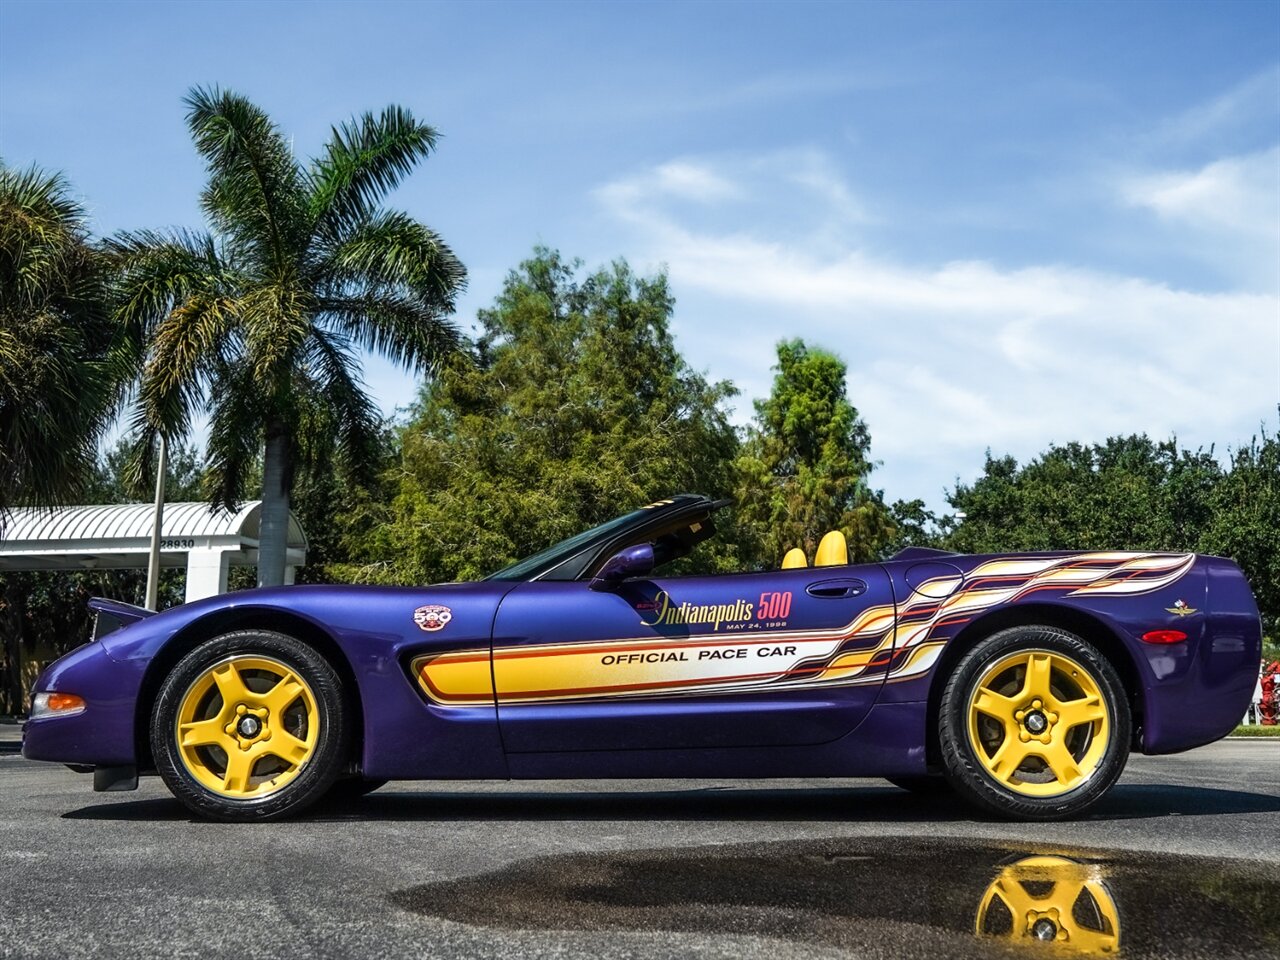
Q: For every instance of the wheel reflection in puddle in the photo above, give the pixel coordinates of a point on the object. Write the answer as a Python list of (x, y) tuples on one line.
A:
[(1055, 900)]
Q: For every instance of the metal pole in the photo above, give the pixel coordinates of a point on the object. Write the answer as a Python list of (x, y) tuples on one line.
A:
[(153, 561)]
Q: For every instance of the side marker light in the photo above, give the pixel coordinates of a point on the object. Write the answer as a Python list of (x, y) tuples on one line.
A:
[(56, 705), (1163, 636)]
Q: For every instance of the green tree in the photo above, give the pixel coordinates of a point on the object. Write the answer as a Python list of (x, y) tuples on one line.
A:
[(257, 321), (804, 465), (574, 407), (1244, 508), (58, 385), (914, 526), (1127, 493), (331, 508)]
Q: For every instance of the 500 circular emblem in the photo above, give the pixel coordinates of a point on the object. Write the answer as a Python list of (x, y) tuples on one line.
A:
[(432, 617)]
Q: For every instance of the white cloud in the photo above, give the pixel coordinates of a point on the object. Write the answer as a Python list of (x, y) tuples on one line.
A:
[(1228, 209), (946, 360), (677, 180)]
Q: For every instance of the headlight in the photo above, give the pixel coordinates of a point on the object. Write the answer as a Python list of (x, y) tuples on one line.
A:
[(55, 705)]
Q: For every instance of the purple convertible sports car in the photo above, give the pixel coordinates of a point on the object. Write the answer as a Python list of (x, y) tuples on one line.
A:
[(1021, 681)]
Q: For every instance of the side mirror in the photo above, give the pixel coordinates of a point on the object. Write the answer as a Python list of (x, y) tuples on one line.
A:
[(634, 561)]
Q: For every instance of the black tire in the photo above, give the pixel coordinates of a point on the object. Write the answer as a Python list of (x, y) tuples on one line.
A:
[(970, 776), (924, 785), (314, 776)]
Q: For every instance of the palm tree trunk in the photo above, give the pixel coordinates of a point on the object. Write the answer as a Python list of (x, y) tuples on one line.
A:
[(273, 528)]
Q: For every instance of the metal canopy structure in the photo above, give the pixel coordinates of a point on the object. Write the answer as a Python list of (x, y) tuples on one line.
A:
[(118, 536)]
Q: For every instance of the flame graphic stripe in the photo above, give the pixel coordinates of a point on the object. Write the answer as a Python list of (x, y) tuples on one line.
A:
[(881, 644)]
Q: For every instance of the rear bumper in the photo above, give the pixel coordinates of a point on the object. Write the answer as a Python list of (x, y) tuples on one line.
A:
[(103, 735), (1198, 692)]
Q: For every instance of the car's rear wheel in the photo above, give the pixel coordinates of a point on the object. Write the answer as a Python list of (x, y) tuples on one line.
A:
[(250, 726), (1034, 724)]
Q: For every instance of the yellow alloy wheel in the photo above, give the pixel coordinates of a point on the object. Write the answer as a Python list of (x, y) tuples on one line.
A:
[(247, 726), (1053, 900), (1039, 723)]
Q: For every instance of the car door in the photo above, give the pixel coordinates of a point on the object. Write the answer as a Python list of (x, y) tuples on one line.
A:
[(783, 657)]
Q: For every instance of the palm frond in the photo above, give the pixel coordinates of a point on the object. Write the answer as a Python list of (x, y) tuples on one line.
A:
[(255, 193), (276, 323), (186, 347), (42, 235), (400, 327), (236, 432), (390, 250), (363, 161), (156, 272), (345, 419), (56, 388)]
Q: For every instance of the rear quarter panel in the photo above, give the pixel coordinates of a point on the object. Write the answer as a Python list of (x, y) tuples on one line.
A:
[(1191, 692)]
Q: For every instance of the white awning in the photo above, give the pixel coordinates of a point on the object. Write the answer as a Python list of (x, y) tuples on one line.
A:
[(118, 536)]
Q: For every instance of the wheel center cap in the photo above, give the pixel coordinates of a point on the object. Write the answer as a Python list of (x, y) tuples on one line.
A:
[(1044, 929), (1036, 722), (250, 726)]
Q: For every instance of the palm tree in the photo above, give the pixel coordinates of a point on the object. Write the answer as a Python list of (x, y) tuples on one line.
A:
[(256, 322), (58, 387)]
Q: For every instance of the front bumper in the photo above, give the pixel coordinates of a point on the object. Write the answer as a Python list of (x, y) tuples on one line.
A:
[(104, 734)]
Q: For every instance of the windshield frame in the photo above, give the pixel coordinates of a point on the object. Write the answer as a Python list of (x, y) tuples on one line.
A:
[(538, 563), (584, 546)]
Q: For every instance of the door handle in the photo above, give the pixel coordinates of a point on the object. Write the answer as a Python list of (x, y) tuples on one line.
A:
[(836, 589)]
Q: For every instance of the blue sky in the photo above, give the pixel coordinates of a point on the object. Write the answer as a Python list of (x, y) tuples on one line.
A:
[(1018, 223)]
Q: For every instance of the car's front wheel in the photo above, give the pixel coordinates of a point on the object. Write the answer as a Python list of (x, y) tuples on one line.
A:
[(1034, 724), (251, 725)]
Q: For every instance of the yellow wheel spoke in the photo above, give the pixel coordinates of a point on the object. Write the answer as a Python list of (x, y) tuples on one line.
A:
[(1085, 940), (288, 748), (280, 697), (1016, 899), (1061, 763), (230, 684), (1088, 709), (201, 733), (995, 704), (239, 770), (1039, 672), (1008, 757)]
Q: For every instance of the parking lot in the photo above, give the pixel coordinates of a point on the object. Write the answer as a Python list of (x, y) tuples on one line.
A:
[(1185, 848)]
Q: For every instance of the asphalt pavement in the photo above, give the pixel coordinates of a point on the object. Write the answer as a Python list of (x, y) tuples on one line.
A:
[(1181, 860)]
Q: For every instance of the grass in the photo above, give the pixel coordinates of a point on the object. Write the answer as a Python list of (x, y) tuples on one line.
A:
[(1256, 730)]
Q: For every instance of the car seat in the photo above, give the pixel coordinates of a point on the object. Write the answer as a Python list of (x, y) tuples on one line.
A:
[(833, 551), (794, 559)]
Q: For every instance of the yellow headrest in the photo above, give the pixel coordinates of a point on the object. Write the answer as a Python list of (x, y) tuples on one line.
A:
[(795, 558), (832, 551)]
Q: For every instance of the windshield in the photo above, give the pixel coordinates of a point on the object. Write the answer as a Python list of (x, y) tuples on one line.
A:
[(529, 566)]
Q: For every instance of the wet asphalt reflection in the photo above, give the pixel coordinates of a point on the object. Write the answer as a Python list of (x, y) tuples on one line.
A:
[(958, 898)]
